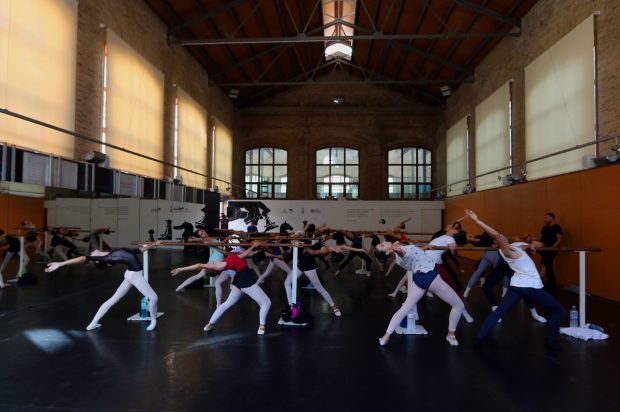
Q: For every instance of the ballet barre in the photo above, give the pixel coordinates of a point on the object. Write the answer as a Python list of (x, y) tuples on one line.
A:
[(242, 244)]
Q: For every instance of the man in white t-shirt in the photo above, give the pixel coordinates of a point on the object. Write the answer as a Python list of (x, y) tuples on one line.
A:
[(525, 283)]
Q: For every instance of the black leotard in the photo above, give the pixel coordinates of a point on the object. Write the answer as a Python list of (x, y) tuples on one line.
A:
[(123, 256)]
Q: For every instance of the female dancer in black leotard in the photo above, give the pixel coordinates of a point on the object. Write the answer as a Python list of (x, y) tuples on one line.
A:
[(133, 277)]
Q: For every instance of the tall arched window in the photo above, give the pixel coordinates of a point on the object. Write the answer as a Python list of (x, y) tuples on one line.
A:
[(265, 173), (337, 173), (409, 173)]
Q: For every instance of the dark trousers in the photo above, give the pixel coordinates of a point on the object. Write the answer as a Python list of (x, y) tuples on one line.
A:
[(497, 275), (539, 296), (547, 263)]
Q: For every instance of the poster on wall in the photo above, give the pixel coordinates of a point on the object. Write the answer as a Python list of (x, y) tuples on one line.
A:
[(105, 214), (273, 215), (186, 218), (148, 219), (128, 224), (72, 212)]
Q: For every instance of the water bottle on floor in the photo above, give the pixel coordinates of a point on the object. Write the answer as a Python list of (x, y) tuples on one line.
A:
[(574, 317), (144, 307)]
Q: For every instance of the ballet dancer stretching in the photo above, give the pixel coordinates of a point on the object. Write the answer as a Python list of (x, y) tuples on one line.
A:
[(32, 238), (355, 250), (307, 266), (425, 277), (11, 244), (243, 282), (276, 258), (215, 254), (525, 283), (133, 277)]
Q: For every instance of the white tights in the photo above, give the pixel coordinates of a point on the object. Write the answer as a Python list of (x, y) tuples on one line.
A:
[(191, 280), (275, 262), (313, 277), (439, 288), (7, 258), (401, 283), (255, 292), (137, 280)]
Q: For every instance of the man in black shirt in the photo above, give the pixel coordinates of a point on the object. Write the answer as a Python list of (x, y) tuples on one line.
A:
[(550, 236)]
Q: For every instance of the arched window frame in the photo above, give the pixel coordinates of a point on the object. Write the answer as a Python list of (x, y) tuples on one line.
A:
[(409, 173), (266, 173), (337, 172)]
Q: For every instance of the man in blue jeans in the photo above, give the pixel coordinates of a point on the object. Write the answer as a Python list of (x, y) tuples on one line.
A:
[(525, 283)]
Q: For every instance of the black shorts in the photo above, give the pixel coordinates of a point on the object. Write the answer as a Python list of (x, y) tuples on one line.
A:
[(244, 278)]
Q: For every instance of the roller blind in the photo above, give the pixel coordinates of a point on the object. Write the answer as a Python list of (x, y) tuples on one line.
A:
[(492, 137), (134, 109), (457, 157), (559, 103), (38, 43), (192, 140), (223, 154)]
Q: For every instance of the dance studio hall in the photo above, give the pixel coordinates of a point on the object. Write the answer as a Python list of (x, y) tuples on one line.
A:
[(338, 205)]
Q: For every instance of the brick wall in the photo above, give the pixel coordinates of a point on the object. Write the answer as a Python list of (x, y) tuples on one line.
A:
[(546, 23), (373, 119), (139, 27)]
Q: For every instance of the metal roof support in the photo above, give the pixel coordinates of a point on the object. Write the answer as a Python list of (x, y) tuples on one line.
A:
[(205, 16), (345, 82), (488, 12), (435, 59), (301, 38), (246, 18), (248, 60)]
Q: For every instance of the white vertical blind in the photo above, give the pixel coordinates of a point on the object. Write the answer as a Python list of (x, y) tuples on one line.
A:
[(192, 140), (223, 155), (38, 48), (457, 157), (492, 137), (559, 103), (135, 109)]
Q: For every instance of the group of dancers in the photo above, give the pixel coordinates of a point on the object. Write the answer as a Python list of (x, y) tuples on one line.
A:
[(427, 265)]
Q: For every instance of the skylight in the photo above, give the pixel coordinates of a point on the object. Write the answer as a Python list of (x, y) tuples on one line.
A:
[(338, 19)]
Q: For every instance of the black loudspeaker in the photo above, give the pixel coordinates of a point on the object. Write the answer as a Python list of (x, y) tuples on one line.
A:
[(95, 157), (211, 209)]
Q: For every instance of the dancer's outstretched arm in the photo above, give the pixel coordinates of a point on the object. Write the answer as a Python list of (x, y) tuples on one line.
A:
[(501, 240), (209, 267), (55, 265)]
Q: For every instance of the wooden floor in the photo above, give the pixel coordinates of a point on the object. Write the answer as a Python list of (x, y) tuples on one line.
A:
[(50, 363)]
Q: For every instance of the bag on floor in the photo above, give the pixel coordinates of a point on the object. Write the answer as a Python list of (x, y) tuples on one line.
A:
[(27, 278), (295, 314)]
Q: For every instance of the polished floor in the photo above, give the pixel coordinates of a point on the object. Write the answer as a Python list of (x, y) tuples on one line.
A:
[(48, 361)]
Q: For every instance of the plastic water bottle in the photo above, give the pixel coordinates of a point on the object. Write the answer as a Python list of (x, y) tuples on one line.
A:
[(144, 307), (574, 317)]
